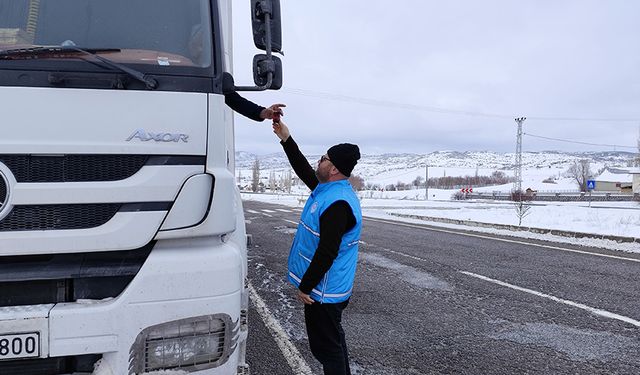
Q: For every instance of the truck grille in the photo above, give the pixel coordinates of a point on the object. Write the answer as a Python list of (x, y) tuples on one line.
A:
[(73, 168), (87, 168), (71, 216), (58, 217)]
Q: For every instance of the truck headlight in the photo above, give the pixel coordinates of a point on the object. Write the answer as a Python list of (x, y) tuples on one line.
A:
[(190, 344)]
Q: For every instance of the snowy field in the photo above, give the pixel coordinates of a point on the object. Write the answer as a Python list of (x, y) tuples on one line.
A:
[(543, 172), (608, 218)]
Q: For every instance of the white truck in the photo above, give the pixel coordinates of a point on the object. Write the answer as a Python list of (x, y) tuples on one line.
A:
[(122, 238)]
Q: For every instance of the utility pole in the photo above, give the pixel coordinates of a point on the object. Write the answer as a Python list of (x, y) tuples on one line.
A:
[(426, 183), (517, 185)]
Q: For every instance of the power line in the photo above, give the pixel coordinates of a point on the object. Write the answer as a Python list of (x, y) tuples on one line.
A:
[(391, 104), (578, 142), (583, 119)]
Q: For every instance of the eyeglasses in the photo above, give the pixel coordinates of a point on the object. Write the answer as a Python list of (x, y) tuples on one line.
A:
[(323, 158)]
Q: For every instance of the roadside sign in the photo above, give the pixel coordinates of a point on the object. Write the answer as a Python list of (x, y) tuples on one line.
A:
[(467, 190), (591, 184)]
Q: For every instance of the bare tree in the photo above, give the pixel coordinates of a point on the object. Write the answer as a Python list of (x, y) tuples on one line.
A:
[(357, 182), (522, 204), (580, 171), (499, 176), (272, 181), (295, 180), (418, 181), (256, 175), (522, 209), (285, 180)]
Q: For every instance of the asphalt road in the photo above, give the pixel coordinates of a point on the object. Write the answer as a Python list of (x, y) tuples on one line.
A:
[(429, 300)]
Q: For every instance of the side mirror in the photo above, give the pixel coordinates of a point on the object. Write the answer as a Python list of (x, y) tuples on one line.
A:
[(262, 66), (267, 35), (266, 24)]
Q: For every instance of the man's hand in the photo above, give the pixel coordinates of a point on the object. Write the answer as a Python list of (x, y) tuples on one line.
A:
[(281, 130), (273, 112), (304, 298)]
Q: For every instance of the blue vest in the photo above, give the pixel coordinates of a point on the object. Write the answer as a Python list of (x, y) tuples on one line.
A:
[(337, 283)]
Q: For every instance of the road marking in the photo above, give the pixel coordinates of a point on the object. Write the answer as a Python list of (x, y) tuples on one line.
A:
[(593, 310), (506, 240), (269, 211), (252, 211), (405, 255), (288, 349), (289, 221), (283, 210)]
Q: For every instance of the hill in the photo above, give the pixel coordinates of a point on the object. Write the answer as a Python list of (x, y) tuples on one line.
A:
[(389, 168)]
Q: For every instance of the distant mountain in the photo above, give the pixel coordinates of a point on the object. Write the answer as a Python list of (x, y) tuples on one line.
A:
[(374, 165), (245, 160), (466, 159)]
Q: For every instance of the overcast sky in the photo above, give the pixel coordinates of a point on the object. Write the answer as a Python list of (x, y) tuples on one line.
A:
[(429, 75)]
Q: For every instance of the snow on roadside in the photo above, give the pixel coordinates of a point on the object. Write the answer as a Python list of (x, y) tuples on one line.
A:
[(590, 242), (607, 221), (619, 219)]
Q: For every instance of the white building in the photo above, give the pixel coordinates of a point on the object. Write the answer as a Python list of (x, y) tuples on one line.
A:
[(619, 180), (635, 172)]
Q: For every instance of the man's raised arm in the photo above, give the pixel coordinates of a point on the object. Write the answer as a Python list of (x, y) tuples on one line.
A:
[(298, 162)]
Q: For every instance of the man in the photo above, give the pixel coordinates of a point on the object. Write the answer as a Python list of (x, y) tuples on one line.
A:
[(251, 110), (324, 253), (246, 107)]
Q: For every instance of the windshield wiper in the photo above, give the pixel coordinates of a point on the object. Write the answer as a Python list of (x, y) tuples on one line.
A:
[(150, 82), (43, 50)]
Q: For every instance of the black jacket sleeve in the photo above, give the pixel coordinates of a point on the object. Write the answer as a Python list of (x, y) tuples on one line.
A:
[(334, 223), (243, 106), (299, 163)]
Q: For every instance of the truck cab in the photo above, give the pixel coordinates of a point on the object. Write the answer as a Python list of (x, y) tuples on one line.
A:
[(122, 240)]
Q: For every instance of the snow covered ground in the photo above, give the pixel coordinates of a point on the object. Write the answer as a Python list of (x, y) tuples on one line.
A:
[(393, 168), (608, 218), (543, 172)]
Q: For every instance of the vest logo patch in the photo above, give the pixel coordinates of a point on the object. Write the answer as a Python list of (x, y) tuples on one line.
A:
[(314, 207)]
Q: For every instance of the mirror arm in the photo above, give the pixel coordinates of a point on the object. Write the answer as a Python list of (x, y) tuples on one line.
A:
[(256, 88), (267, 24)]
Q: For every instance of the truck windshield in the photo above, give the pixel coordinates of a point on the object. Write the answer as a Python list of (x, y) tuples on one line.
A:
[(155, 32)]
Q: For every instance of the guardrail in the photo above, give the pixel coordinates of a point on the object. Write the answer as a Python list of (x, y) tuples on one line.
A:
[(559, 196)]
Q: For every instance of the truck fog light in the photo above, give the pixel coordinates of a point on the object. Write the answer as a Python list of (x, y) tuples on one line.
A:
[(187, 344)]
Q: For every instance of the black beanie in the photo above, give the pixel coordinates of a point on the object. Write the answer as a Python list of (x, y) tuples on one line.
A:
[(344, 156)]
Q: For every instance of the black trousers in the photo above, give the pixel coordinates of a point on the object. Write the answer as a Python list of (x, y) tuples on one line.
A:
[(326, 336)]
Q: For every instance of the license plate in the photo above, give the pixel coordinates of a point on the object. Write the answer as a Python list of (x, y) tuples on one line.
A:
[(20, 345)]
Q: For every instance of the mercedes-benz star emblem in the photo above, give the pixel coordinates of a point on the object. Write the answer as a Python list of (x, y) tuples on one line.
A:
[(4, 192)]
